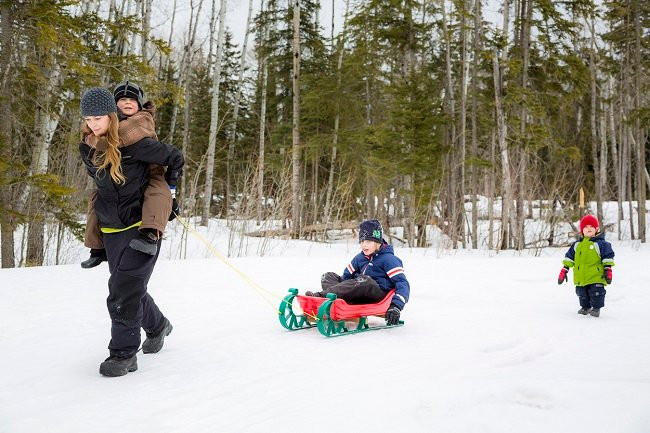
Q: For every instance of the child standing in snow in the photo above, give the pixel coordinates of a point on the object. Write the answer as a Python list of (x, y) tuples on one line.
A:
[(136, 123), (591, 258), (370, 275)]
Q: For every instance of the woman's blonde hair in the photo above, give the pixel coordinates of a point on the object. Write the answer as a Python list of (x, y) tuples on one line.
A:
[(110, 157)]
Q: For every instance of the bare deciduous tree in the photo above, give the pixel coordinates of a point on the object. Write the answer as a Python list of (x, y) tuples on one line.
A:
[(214, 119)]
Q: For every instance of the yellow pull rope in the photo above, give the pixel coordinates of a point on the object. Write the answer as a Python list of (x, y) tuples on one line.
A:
[(225, 261), (259, 289)]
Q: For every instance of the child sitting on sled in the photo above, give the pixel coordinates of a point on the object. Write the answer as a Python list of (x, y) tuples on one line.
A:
[(370, 275), (159, 206)]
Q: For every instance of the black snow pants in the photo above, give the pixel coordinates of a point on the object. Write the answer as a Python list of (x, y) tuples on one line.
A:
[(129, 305), (591, 295), (359, 290)]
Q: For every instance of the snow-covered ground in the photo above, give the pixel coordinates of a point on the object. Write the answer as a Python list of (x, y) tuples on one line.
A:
[(491, 344)]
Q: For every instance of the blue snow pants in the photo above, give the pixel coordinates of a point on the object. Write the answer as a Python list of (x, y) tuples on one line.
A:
[(591, 295)]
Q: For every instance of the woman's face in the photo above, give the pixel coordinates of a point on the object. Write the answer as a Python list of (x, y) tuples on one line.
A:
[(98, 124)]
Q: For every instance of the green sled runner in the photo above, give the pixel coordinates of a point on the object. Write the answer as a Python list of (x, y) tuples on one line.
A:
[(333, 317)]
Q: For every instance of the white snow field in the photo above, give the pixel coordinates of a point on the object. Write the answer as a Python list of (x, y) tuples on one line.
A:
[(491, 344)]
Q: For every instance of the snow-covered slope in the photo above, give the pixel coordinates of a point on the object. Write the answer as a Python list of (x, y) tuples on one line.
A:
[(491, 344)]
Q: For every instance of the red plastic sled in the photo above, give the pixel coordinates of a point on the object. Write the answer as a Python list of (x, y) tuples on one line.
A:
[(332, 316), (341, 310)]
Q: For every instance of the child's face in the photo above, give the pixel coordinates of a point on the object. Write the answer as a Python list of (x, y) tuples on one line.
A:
[(98, 124), (589, 231), (369, 247), (129, 106)]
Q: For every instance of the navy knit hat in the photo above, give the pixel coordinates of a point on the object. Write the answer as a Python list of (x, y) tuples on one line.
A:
[(97, 101), (127, 89), (371, 230)]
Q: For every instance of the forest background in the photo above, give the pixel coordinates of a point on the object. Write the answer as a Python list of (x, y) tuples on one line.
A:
[(418, 113)]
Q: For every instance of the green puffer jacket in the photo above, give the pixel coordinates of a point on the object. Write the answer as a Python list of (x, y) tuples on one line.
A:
[(588, 257)]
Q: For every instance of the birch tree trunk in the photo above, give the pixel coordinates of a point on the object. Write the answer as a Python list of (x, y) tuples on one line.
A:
[(460, 222), (235, 115), (526, 8), (295, 153), (450, 108), (407, 76), (491, 191), (261, 202), (594, 133), (505, 30), (169, 43), (474, 120), (7, 223), (186, 60), (624, 142), (615, 156), (146, 28), (335, 136), (214, 119), (630, 191), (602, 172), (640, 139), (47, 119), (186, 200), (213, 25), (507, 217)]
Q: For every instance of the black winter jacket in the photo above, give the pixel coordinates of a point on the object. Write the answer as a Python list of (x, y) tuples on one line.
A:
[(120, 205)]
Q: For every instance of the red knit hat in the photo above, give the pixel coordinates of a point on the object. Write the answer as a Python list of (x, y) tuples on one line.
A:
[(588, 220)]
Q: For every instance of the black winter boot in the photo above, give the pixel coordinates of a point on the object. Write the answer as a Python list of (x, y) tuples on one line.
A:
[(595, 312), (146, 242), (584, 311), (154, 342), (314, 294), (115, 366), (96, 257)]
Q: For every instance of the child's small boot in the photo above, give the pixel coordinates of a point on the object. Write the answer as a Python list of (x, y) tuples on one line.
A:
[(584, 311), (146, 242), (314, 294), (595, 312), (97, 256)]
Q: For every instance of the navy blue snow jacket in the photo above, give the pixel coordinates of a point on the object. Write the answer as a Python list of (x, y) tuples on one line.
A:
[(385, 268)]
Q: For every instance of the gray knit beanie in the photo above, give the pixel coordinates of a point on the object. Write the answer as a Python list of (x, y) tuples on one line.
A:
[(97, 101)]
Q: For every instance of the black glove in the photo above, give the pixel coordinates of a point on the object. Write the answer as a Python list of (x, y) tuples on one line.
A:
[(176, 210), (392, 315), (607, 274), (172, 176)]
